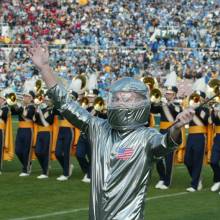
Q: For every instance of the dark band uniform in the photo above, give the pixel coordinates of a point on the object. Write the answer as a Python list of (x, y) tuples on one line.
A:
[(168, 113), (195, 145), (24, 137), (64, 143), (44, 117), (215, 155), (4, 111)]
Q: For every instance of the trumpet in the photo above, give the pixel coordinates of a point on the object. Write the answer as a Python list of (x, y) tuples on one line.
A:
[(155, 96)]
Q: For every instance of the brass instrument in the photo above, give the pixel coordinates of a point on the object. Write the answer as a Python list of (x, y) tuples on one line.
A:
[(39, 92), (155, 95), (99, 104), (38, 86), (12, 98), (149, 81), (84, 102), (39, 98), (194, 98)]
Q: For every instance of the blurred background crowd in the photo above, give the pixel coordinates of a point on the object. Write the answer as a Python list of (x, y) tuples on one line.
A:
[(112, 38)]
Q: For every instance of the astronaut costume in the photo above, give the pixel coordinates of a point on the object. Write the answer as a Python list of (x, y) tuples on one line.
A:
[(123, 149)]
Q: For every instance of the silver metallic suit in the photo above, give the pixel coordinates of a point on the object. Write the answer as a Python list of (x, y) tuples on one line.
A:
[(123, 149)]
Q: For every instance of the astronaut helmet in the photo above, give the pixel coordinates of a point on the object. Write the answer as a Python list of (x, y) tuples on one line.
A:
[(128, 104)]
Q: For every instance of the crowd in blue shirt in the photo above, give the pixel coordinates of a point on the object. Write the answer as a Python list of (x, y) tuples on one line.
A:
[(113, 38)]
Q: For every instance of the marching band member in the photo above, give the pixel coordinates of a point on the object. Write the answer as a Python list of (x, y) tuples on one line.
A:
[(64, 143), (6, 136), (215, 155), (83, 150), (214, 133), (44, 118), (24, 137), (195, 146), (168, 110)]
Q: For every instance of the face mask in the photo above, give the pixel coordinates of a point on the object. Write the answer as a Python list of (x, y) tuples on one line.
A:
[(128, 104), (126, 100)]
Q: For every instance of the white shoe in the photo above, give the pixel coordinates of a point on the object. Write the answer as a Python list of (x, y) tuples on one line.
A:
[(199, 187), (42, 176), (164, 187), (191, 189), (24, 174), (86, 179), (215, 187), (159, 184), (62, 178), (71, 170)]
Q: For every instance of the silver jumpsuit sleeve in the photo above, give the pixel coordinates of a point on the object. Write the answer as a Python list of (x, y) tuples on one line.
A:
[(162, 144), (70, 109)]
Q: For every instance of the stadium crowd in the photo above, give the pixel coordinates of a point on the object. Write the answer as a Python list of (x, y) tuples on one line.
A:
[(111, 37)]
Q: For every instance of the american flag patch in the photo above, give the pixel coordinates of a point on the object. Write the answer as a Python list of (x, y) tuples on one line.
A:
[(124, 153)]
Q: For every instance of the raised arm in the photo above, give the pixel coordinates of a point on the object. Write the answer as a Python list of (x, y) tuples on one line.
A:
[(40, 57), (70, 109)]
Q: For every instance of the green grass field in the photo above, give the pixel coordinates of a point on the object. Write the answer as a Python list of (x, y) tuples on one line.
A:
[(30, 198)]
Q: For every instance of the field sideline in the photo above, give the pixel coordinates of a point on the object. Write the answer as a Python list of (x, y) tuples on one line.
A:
[(29, 198)]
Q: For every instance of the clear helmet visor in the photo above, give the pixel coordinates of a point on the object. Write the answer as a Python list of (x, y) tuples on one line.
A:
[(130, 99)]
